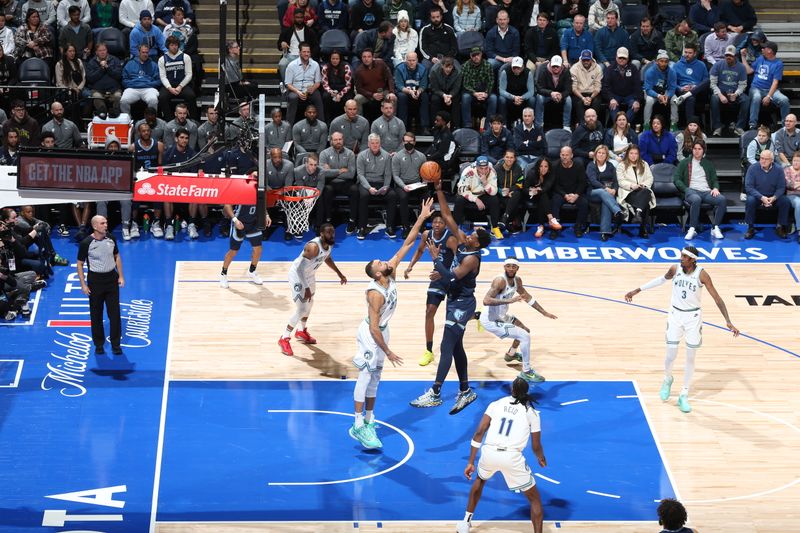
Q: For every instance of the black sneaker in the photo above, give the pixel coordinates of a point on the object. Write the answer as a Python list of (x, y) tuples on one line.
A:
[(362, 234), (391, 232), (116, 350), (351, 227), (99, 350)]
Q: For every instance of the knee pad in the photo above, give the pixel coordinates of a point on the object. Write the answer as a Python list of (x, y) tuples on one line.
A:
[(362, 382)]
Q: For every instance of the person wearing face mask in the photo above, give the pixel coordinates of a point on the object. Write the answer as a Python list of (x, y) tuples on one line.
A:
[(405, 173)]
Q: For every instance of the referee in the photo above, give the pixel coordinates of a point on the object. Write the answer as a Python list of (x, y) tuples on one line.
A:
[(99, 251)]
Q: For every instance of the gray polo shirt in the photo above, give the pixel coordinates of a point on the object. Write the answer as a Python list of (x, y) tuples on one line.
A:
[(172, 128), (277, 178), (405, 167), (156, 132), (278, 135), (391, 132), (374, 170), (311, 138), (336, 160), (301, 177), (66, 134), (206, 131), (355, 132)]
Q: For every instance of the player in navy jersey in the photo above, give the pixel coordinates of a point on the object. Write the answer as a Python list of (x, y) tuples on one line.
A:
[(244, 225), (459, 282), (448, 243)]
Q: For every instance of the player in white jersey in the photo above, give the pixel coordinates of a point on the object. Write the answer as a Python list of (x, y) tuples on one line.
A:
[(685, 317), (303, 284), (507, 424), (505, 290), (373, 335)]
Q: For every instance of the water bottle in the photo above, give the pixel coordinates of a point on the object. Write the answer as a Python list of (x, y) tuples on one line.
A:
[(146, 222), (176, 223)]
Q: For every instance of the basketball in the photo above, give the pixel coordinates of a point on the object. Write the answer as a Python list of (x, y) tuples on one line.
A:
[(430, 171)]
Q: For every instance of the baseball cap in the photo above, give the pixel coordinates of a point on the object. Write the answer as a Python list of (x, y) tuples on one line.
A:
[(556, 61), (475, 50), (145, 13), (482, 161), (758, 35), (622, 52), (516, 62), (730, 50), (662, 54), (586, 55)]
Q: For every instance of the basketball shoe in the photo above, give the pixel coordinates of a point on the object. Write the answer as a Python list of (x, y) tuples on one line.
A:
[(304, 337), (286, 347), (255, 278), (516, 356), (426, 359), (683, 403), (531, 376), (429, 399), (223, 281), (665, 388), (462, 526), (366, 437), (463, 399)]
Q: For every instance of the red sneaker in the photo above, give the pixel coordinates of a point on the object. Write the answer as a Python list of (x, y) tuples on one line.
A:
[(286, 348), (304, 337)]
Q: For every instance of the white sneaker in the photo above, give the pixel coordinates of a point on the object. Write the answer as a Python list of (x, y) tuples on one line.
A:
[(462, 526), (567, 128), (134, 230), (184, 225), (192, 229), (126, 234), (743, 197), (169, 233), (157, 231), (691, 234), (223, 281), (255, 278), (716, 233)]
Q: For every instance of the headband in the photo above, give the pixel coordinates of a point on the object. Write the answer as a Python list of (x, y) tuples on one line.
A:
[(511, 261), (689, 254)]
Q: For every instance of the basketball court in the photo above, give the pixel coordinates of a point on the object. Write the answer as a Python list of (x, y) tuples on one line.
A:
[(204, 426)]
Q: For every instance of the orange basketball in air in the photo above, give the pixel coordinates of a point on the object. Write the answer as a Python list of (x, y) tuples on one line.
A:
[(430, 171)]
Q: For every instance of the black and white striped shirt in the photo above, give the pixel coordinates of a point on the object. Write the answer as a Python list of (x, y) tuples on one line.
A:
[(99, 254)]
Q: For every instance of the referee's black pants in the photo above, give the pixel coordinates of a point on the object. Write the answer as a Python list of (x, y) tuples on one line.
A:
[(104, 291)]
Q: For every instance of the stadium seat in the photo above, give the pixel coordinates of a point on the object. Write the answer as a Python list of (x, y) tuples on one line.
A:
[(668, 198), (470, 142), (115, 41), (467, 40), (34, 72), (632, 15), (334, 40), (556, 139), (669, 15)]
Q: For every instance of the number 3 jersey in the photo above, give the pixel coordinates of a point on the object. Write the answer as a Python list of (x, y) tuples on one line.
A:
[(512, 424), (687, 289)]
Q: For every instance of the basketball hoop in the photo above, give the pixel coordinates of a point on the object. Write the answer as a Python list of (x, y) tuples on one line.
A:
[(297, 202)]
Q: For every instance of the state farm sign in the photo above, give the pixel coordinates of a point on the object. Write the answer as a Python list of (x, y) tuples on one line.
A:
[(195, 190)]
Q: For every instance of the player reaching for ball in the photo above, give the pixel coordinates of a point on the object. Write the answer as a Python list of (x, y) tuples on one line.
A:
[(459, 282), (373, 335), (685, 318)]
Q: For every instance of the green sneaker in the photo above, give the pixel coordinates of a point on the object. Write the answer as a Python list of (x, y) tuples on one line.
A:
[(531, 376), (366, 437), (516, 356), (683, 403), (426, 359), (665, 388), (60, 261), (372, 426)]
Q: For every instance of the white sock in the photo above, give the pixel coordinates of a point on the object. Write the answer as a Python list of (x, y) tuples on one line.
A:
[(369, 417), (467, 517), (685, 391), (302, 325), (287, 334), (359, 420)]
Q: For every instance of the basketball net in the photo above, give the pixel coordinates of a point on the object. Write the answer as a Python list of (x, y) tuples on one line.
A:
[(297, 203)]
